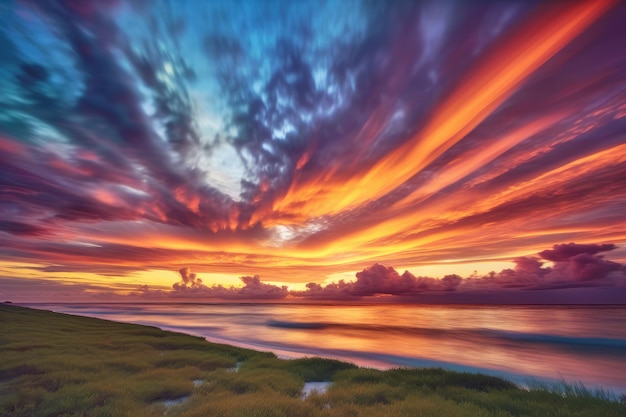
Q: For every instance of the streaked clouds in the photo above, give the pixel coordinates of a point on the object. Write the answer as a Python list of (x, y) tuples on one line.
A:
[(574, 266), (297, 140)]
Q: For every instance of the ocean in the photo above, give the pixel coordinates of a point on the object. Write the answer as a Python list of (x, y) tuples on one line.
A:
[(525, 344)]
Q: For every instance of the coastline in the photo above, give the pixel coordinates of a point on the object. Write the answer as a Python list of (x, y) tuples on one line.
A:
[(84, 364), (583, 345)]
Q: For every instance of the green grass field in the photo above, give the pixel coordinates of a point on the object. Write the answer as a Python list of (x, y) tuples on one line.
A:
[(60, 365)]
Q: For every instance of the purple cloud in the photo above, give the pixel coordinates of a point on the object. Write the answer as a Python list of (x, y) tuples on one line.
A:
[(566, 251), (578, 265), (253, 289)]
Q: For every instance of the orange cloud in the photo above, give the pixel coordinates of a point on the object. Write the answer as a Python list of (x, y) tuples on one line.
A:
[(485, 87)]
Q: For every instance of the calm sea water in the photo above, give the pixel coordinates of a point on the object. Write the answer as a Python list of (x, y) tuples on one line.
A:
[(522, 343)]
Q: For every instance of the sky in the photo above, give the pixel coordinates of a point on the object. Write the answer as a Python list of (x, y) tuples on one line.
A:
[(313, 150)]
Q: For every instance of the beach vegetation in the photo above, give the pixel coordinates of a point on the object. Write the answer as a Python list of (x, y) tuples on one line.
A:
[(63, 365)]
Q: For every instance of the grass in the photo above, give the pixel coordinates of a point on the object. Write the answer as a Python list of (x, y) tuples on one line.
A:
[(57, 365)]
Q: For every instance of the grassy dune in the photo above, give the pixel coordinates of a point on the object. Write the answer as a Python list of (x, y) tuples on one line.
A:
[(60, 365)]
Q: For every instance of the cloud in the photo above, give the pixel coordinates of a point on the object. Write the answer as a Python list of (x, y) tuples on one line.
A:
[(47, 289), (106, 156), (581, 263), (582, 268), (575, 265), (310, 124), (18, 228), (379, 279), (404, 133), (253, 288), (528, 264), (565, 252), (188, 281), (334, 291)]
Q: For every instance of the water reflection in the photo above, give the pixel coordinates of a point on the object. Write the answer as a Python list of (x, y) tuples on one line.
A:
[(586, 344)]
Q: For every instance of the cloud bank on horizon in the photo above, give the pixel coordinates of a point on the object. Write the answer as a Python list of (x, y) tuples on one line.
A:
[(574, 266), (297, 140)]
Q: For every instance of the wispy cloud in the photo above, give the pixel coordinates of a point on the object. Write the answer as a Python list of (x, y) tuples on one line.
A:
[(574, 266), (295, 140)]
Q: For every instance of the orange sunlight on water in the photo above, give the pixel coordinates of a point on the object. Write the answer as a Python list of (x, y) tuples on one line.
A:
[(586, 344)]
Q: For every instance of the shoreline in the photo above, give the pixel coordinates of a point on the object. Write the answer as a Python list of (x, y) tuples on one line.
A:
[(102, 367), (286, 348)]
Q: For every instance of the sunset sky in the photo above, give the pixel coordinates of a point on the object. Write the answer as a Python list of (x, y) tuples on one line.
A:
[(176, 149)]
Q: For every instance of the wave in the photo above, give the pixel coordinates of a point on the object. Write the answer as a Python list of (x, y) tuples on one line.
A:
[(297, 324), (557, 339), (475, 333), (356, 326)]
